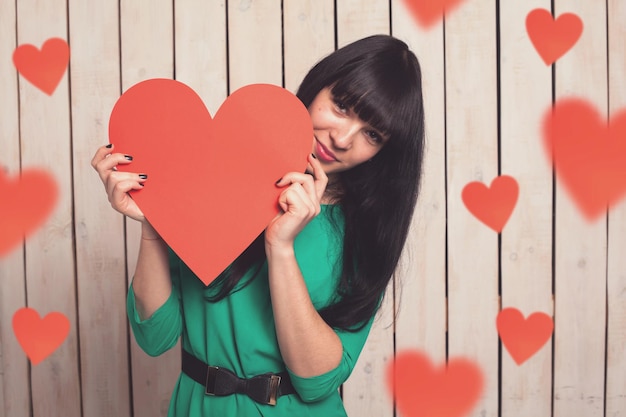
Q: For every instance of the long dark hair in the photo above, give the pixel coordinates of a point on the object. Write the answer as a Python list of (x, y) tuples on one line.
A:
[(379, 78)]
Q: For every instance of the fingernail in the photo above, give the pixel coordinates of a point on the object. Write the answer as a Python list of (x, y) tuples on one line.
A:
[(143, 176), (313, 155), (130, 158), (279, 180), (109, 146)]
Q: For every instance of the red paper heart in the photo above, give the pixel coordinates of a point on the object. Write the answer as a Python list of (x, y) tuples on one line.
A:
[(429, 12), (492, 206), (421, 390), (589, 155), (45, 68), (523, 337), (552, 38), (25, 203), (39, 337), (211, 182)]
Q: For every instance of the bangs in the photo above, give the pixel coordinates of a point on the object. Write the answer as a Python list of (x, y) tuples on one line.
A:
[(381, 96)]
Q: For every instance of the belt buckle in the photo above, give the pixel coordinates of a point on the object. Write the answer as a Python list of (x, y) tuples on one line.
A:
[(274, 384), (211, 377)]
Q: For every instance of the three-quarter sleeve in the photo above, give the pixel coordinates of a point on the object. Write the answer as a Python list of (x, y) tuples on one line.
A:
[(319, 387), (159, 332)]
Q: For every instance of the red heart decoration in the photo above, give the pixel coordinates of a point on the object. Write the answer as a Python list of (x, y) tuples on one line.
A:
[(211, 182), (492, 206), (429, 12), (422, 390), (552, 38), (45, 68), (39, 337), (589, 154), (523, 337), (25, 203)]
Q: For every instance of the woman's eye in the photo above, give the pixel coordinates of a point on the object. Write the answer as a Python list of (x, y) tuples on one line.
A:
[(341, 107), (374, 137)]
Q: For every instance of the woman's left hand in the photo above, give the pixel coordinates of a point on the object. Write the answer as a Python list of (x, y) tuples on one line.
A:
[(299, 202)]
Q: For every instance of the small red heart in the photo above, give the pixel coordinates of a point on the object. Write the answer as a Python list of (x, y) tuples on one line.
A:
[(523, 337), (25, 203), (589, 154), (492, 206), (553, 38), (45, 68), (39, 337), (421, 390), (429, 12), (211, 182)]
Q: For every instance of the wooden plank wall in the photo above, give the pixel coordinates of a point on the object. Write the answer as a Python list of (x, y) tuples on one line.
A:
[(486, 91)]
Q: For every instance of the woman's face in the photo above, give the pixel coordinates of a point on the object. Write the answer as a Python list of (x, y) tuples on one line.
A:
[(342, 140)]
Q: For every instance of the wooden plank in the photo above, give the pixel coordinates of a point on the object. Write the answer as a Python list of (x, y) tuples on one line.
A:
[(255, 43), (421, 277), (45, 142), (100, 263), (147, 51), (14, 376), (200, 38), (309, 26), (359, 18), (616, 281), (364, 392), (580, 246), (526, 257), (472, 155)]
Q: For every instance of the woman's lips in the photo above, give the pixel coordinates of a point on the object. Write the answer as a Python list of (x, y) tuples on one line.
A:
[(323, 153)]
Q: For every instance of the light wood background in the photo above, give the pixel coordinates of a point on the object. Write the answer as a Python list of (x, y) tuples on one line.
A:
[(486, 90)]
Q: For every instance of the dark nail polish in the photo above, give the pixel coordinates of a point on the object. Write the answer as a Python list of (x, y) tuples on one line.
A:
[(130, 158), (313, 155), (109, 146), (278, 181), (143, 176)]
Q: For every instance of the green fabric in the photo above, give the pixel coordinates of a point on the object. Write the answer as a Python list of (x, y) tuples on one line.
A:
[(238, 332)]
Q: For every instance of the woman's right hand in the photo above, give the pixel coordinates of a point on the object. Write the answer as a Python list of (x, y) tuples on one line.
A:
[(117, 184)]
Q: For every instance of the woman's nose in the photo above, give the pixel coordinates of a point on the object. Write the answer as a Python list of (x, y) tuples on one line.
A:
[(343, 135)]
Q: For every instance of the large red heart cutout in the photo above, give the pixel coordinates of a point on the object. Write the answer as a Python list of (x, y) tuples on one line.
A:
[(26, 201), (552, 38), (211, 182), (422, 390), (589, 154), (492, 205), (523, 337), (39, 337), (43, 68)]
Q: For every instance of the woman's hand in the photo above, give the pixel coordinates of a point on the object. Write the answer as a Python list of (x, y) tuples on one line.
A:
[(299, 202), (118, 184)]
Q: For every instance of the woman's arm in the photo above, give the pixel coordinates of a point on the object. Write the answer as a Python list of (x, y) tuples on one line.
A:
[(308, 345), (152, 284)]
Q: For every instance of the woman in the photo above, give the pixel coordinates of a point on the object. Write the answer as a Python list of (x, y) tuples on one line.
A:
[(281, 329)]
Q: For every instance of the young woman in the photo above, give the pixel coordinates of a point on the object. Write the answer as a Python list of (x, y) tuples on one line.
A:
[(280, 330)]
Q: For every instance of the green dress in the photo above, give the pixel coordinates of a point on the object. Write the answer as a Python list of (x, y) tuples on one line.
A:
[(238, 331)]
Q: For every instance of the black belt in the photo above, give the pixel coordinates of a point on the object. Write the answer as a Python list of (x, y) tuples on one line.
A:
[(264, 389)]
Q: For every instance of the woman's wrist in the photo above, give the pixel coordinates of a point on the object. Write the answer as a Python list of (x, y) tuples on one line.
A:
[(148, 232)]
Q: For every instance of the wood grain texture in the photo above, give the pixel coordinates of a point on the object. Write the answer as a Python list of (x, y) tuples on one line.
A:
[(580, 246), (251, 61), (100, 264), (50, 275), (526, 251), (616, 279), (309, 25), (15, 391), (472, 155)]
